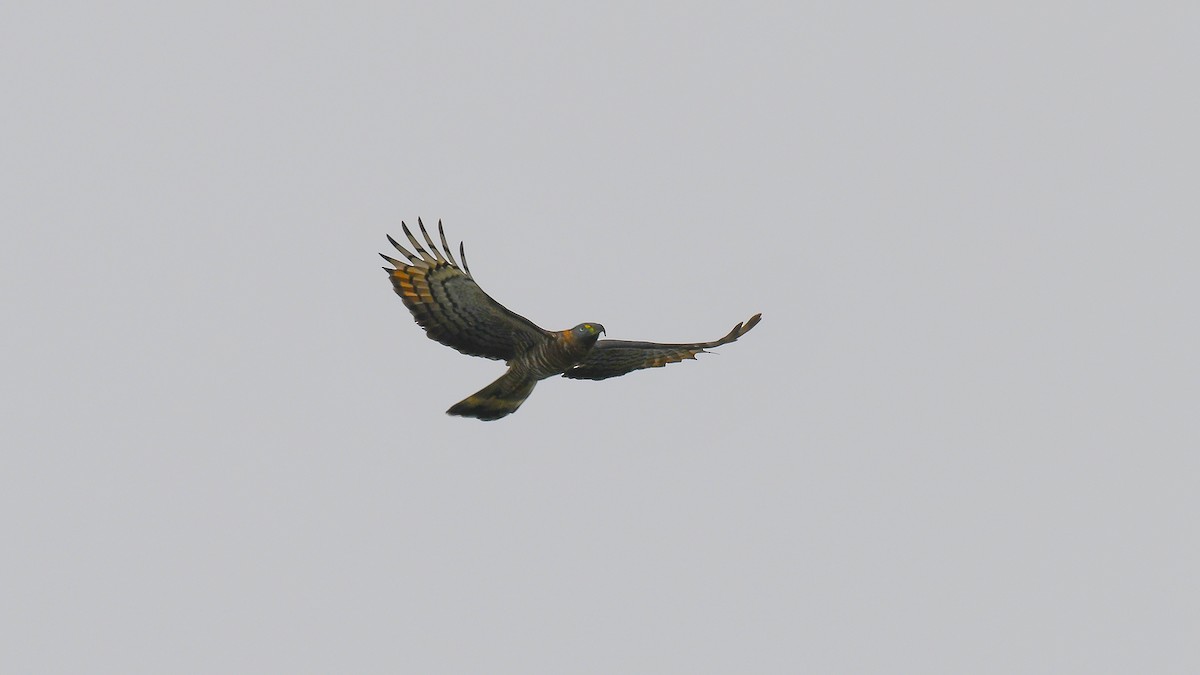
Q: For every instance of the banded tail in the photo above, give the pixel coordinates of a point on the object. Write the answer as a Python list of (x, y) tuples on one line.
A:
[(498, 399)]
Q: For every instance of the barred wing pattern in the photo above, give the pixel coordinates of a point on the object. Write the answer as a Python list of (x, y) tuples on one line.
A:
[(451, 307), (610, 358)]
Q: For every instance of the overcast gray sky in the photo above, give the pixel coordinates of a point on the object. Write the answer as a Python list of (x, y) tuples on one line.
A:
[(963, 439)]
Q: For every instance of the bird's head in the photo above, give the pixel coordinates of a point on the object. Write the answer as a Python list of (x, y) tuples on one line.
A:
[(587, 333)]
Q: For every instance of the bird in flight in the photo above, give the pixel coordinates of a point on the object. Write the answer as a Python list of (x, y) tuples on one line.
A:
[(445, 300)]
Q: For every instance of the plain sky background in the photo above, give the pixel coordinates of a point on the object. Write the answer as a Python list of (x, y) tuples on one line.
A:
[(963, 439)]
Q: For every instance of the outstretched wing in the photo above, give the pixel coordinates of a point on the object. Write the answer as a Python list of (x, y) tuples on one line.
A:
[(610, 358), (451, 307)]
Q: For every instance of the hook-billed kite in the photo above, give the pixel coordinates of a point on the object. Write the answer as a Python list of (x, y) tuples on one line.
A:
[(445, 300)]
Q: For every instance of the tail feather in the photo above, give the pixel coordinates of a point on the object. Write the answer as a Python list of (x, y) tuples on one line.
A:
[(498, 399)]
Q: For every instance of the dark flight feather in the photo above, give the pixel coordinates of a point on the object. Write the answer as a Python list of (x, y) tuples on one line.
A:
[(611, 358), (454, 310)]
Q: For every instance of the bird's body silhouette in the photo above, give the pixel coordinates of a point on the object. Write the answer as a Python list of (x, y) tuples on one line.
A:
[(445, 300)]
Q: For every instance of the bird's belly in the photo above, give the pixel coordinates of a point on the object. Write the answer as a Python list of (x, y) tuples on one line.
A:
[(550, 359)]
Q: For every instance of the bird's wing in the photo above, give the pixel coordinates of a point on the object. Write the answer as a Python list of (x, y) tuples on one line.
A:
[(610, 358), (451, 307)]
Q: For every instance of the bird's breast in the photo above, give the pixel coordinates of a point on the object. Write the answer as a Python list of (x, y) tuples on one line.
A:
[(554, 356)]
